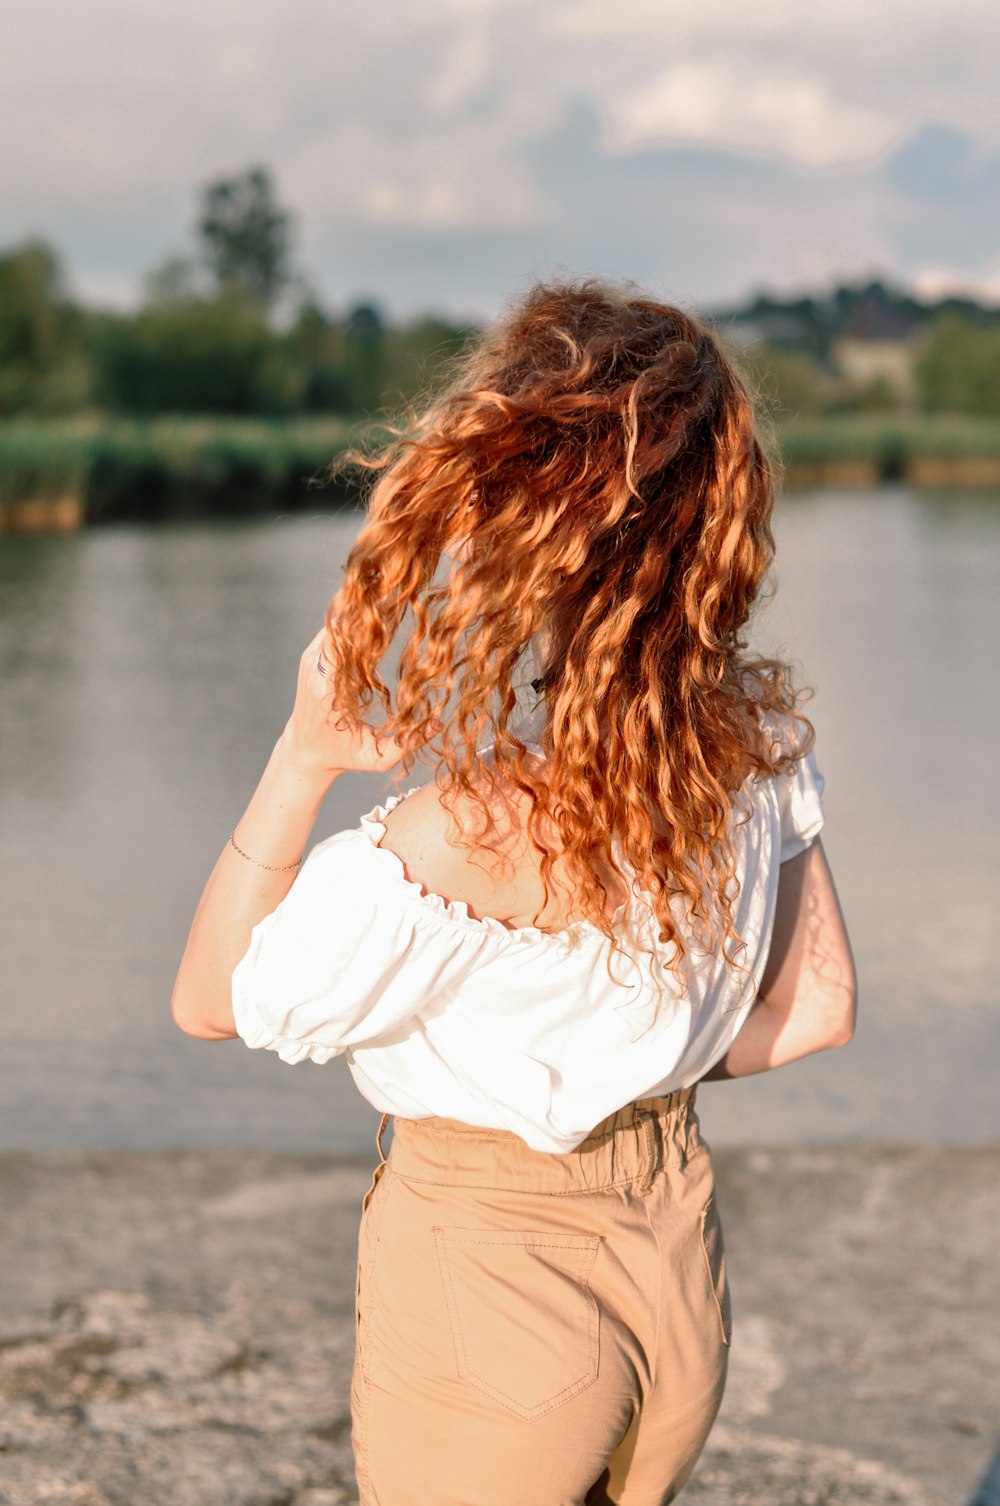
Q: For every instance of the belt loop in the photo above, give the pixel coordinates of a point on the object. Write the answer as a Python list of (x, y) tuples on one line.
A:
[(679, 1107), (378, 1138), (380, 1168), (649, 1140)]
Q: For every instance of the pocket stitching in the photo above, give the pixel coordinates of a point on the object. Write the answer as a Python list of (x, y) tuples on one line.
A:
[(588, 1246), (720, 1305), (365, 1281)]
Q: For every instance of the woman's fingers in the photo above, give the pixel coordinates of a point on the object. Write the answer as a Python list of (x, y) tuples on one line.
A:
[(376, 751), (385, 753), (356, 740), (328, 734), (369, 748)]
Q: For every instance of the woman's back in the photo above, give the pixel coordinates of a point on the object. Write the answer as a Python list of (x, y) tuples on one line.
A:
[(503, 880), (393, 954)]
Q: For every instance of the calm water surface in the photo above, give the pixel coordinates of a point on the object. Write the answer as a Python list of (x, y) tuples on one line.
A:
[(147, 671)]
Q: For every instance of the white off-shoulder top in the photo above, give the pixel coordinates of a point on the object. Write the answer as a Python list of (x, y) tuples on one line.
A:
[(439, 1012)]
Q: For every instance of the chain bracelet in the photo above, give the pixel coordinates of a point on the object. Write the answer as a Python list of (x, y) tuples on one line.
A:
[(270, 867)]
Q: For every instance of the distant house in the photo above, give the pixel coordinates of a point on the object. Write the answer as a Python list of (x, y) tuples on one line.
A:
[(878, 344), (866, 336)]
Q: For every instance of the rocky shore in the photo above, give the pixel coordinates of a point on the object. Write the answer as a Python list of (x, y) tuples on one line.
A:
[(176, 1328)]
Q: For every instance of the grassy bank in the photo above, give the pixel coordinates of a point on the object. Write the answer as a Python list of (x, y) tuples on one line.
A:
[(64, 474), (867, 449)]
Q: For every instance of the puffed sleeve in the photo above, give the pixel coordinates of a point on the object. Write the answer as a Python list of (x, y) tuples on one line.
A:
[(800, 802), (799, 789), (352, 953)]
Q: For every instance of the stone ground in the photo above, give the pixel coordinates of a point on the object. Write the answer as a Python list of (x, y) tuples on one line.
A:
[(176, 1328)]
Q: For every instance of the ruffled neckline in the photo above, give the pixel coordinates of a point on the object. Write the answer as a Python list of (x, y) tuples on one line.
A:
[(457, 910)]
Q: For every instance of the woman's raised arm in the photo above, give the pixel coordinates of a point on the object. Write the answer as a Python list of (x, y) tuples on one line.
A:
[(807, 1000), (251, 879)]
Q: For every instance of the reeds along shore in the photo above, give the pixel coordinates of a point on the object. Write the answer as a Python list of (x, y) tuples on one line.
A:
[(62, 474), (943, 452)]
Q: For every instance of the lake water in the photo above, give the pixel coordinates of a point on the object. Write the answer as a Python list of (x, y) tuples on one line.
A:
[(147, 671)]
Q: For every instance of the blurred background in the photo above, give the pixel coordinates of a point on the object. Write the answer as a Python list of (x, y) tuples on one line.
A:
[(231, 245)]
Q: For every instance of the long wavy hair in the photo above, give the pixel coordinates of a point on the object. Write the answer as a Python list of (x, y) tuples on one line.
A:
[(593, 480)]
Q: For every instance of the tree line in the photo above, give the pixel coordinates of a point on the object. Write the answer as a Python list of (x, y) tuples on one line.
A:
[(228, 329), (231, 329)]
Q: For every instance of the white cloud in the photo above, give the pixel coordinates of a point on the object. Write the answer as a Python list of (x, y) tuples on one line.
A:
[(438, 152), (933, 281), (722, 106), (464, 70), (419, 184)]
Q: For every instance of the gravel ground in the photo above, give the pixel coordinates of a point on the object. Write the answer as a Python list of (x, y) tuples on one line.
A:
[(176, 1328)]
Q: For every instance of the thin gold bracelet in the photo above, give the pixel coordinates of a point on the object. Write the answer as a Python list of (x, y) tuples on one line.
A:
[(271, 868)]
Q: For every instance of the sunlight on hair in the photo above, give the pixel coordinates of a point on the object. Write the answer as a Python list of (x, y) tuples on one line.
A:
[(594, 480)]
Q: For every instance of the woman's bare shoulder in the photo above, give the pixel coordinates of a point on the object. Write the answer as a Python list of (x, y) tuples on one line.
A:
[(500, 879), (504, 879)]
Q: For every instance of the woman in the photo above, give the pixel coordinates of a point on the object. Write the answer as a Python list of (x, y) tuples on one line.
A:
[(531, 960)]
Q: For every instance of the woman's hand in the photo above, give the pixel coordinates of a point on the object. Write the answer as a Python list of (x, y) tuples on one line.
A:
[(257, 868), (322, 744)]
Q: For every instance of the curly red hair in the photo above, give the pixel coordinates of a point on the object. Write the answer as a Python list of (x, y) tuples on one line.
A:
[(594, 475)]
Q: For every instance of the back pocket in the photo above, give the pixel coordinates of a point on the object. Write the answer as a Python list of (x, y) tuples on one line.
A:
[(524, 1322)]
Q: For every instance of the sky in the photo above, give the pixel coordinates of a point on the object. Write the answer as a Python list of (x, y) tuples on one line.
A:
[(443, 155)]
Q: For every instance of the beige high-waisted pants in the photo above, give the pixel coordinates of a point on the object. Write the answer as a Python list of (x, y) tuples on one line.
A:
[(536, 1329)]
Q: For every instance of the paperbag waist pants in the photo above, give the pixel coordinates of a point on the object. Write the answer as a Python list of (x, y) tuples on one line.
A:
[(537, 1329)]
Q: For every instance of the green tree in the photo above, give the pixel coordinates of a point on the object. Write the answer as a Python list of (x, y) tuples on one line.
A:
[(173, 282), (316, 343), (43, 364), (958, 368), (364, 349), (198, 355), (245, 236)]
